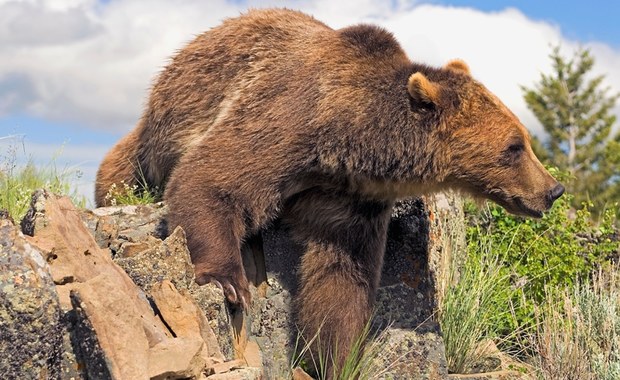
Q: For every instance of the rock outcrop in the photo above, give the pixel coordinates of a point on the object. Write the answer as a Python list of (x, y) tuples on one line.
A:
[(109, 293), (115, 328), (31, 331)]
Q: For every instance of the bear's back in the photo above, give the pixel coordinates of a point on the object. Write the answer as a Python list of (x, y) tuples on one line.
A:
[(275, 63)]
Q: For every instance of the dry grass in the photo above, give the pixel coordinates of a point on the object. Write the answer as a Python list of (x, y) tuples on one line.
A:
[(578, 335)]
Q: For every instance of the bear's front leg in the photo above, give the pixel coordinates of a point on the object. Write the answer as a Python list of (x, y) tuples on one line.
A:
[(220, 192), (340, 270), (214, 226), (204, 197)]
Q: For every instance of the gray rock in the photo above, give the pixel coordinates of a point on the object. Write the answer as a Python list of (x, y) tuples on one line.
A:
[(271, 320), (211, 301), (115, 226), (423, 236), (31, 331), (169, 260)]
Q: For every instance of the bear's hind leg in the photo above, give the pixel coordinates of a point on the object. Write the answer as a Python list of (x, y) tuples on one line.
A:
[(117, 168), (340, 271)]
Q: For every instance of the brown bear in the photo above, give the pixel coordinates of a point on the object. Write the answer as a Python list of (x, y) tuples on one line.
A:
[(274, 114)]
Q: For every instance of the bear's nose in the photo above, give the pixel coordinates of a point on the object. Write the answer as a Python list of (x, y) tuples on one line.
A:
[(556, 192)]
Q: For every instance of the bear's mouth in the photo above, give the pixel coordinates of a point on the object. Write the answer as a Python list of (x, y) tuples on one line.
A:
[(525, 210), (515, 205)]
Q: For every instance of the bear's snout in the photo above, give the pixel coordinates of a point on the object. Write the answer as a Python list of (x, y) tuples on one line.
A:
[(555, 193)]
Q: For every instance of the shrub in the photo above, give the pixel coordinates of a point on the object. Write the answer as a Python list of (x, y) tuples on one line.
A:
[(578, 332), (537, 254)]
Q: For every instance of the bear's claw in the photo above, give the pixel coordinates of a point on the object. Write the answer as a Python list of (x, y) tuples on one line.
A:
[(237, 294)]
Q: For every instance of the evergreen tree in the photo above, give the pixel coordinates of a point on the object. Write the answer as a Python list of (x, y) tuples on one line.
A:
[(576, 112)]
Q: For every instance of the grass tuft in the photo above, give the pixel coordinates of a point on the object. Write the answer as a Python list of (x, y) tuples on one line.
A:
[(578, 335), (17, 183), (361, 363), (470, 307), (139, 193)]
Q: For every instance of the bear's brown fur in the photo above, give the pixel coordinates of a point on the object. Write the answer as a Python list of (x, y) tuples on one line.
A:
[(274, 114)]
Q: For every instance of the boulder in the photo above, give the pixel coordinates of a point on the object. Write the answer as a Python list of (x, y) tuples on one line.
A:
[(117, 329), (184, 318), (425, 237), (95, 273), (31, 330)]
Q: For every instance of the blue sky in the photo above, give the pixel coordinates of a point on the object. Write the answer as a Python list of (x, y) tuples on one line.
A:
[(75, 73), (593, 20)]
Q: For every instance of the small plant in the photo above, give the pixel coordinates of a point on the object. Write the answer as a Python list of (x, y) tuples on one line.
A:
[(566, 245), (17, 183), (138, 193), (129, 195), (578, 333), (478, 297), (361, 363)]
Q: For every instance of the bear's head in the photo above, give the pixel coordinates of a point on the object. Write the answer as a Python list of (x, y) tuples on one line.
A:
[(485, 148)]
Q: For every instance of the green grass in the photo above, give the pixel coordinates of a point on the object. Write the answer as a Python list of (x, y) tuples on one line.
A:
[(546, 291), (362, 363), (476, 299), (139, 193), (17, 183)]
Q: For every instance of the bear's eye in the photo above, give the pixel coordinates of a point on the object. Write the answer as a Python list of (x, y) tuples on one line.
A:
[(512, 153), (516, 148)]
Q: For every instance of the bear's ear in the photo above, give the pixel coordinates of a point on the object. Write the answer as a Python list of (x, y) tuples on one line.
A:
[(458, 65), (422, 89)]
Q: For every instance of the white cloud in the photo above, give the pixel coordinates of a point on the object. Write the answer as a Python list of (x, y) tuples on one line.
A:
[(91, 63)]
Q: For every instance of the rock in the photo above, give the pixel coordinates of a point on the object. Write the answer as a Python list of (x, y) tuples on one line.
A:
[(496, 375), (58, 231), (246, 373), (178, 358), (108, 307), (183, 317), (424, 236), (211, 301), (447, 248), (410, 354), (116, 226), (496, 365), (252, 355), (169, 260), (228, 366), (271, 322), (419, 239), (108, 320), (31, 331), (300, 374)]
